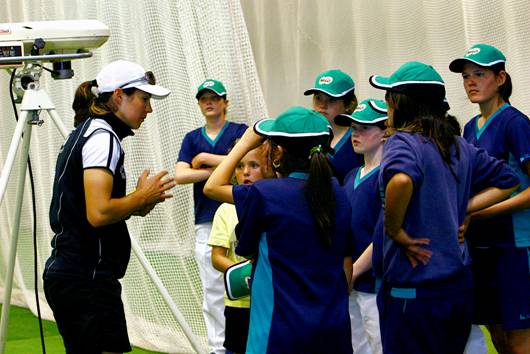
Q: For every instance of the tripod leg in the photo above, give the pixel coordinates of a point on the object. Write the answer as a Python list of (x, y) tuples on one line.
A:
[(14, 233), (58, 122), (11, 154)]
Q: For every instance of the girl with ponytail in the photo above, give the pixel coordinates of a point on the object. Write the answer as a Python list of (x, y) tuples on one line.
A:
[(296, 230)]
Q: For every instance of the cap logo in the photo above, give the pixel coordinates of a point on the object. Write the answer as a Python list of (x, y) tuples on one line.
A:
[(360, 107), (472, 51), (208, 84), (325, 80)]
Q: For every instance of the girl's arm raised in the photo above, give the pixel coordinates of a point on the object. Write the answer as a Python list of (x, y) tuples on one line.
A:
[(218, 186)]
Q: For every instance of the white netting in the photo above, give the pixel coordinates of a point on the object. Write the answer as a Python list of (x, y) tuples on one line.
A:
[(294, 40), (185, 41)]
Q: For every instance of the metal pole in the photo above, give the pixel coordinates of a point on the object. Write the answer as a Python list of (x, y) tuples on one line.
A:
[(11, 154), (14, 231)]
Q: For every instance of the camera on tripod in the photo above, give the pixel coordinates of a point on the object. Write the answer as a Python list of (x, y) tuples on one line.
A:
[(57, 42), (31, 44)]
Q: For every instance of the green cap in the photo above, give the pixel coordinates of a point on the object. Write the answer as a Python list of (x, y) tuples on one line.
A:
[(479, 54), (413, 78), (295, 122), (213, 85), (298, 129), (237, 280), (368, 112), (335, 83)]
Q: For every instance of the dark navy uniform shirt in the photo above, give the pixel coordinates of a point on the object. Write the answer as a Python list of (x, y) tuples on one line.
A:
[(198, 141), (80, 250), (363, 195), (505, 136), (299, 290), (438, 204)]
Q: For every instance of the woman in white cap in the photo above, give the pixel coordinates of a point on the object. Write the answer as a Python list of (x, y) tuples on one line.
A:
[(296, 229), (91, 246), (500, 245), (426, 177), (334, 94)]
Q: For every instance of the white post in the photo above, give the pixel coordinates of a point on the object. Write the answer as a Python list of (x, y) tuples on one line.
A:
[(8, 286)]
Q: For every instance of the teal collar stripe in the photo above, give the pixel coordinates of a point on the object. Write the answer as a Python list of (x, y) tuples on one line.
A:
[(480, 131), (403, 293), (346, 137), (299, 175), (359, 179), (219, 135)]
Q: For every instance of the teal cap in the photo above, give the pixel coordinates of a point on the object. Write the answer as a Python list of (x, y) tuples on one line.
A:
[(480, 54), (368, 112), (335, 83), (213, 85), (298, 129), (295, 122), (412, 78)]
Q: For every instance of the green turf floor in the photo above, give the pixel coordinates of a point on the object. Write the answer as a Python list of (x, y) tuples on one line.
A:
[(23, 335)]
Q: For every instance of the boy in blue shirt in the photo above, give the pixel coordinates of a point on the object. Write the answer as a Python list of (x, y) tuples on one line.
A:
[(201, 151)]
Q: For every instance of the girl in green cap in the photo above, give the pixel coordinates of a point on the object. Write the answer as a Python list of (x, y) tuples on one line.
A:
[(334, 94), (426, 177), (296, 229), (500, 245)]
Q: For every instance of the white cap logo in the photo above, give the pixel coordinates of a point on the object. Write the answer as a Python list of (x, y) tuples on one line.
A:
[(208, 84), (360, 107), (472, 51), (325, 80)]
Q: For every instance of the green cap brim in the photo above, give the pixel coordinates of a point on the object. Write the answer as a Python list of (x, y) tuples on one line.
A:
[(384, 83), (264, 127), (313, 90), (457, 65), (346, 120), (220, 94)]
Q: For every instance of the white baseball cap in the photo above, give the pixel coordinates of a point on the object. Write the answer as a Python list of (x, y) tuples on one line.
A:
[(125, 74)]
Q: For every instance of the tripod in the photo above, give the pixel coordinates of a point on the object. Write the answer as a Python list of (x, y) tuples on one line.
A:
[(34, 101)]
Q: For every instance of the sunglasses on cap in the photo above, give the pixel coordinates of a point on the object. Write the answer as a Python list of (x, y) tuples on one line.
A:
[(148, 78)]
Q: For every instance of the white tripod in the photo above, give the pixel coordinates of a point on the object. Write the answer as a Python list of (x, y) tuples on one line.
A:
[(34, 101)]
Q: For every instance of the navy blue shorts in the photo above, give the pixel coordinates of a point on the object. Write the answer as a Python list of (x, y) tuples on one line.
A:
[(501, 279), (236, 328), (89, 314), (412, 324)]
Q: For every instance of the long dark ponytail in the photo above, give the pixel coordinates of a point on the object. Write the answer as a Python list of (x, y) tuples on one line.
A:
[(318, 188), (319, 194)]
